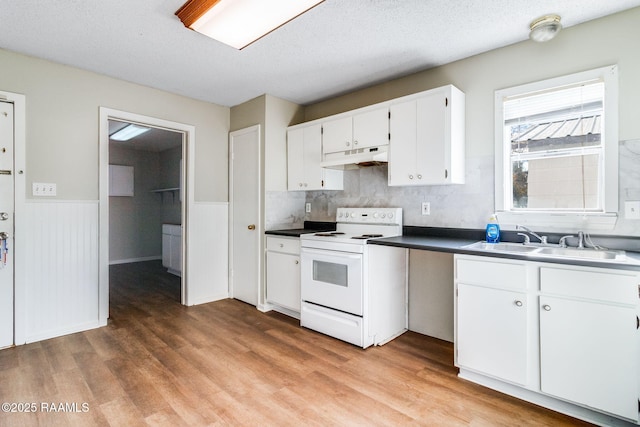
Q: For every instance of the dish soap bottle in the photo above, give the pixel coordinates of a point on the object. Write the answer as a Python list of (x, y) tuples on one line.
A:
[(493, 230)]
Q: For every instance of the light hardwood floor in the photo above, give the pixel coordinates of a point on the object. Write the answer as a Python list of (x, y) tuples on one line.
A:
[(225, 363)]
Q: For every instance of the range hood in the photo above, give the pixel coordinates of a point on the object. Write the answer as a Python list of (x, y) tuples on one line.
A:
[(353, 159)]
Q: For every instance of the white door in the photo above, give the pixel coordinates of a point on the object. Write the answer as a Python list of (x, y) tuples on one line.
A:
[(244, 182), (6, 224)]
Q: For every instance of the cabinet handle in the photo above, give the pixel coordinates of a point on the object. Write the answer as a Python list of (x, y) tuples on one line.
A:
[(355, 142), (300, 184), (305, 184), (348, 143), (410, 176), (251, 227), (297, 262), (446, 174), (518, 303), (281, 245), (419, 176), (546, 307)]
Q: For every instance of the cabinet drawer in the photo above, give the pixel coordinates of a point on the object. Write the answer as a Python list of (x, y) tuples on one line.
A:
[(606, 285), (288, 245), (487, 272)]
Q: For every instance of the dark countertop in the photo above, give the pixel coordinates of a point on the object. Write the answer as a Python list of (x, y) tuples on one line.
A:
[(308, 228), (455, 245)]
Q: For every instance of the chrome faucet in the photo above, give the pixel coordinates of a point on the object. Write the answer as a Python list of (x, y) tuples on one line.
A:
[(543, 239), (580, 240), (563, 241)]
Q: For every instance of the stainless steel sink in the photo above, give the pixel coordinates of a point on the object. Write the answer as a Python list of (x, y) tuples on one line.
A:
[(556, 252), (582, 253), (502, 247)]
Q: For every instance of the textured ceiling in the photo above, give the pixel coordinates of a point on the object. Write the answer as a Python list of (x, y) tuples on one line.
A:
[(337, 47)]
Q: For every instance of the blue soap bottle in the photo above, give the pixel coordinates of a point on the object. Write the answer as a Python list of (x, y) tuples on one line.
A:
[(493, 230)]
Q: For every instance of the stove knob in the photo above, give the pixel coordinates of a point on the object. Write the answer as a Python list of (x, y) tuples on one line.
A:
[(390, 215), (375, 214), (383, 215), (340, 215), (353, 214)]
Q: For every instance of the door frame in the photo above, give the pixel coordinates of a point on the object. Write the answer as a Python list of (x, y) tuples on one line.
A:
[(187, 183), (19, 194), (259, 225)]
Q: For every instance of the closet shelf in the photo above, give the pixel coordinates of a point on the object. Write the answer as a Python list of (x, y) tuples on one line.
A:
[(162, 191)]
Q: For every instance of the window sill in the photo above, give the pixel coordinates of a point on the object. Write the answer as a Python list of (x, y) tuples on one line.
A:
[(559, 221)]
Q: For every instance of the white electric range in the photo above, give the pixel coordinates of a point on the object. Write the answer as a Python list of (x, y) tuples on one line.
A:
[(339, 295)]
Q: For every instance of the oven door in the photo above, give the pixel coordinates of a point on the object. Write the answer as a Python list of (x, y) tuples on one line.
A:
[(332, 279)]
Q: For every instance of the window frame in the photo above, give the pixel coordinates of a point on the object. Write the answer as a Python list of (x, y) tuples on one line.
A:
[(604, 219)]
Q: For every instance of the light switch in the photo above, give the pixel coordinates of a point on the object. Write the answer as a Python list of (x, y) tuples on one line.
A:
[(43, 189), (632, 210)]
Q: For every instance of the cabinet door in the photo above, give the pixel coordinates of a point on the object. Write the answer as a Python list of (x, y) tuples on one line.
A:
[(312, 156), (166, 250), (295, 159), (402, 146), (176, 252), (371, 128), (492, 332), (283, 280), (337, 135), (589, 354), (432, 144)]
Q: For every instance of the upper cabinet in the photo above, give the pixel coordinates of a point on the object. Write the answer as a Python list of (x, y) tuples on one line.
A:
[(362, 130), (304, 152), (427, 138)]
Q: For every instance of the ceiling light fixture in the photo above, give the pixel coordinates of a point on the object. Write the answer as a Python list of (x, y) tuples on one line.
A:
[(239, 23), (545, 28), (128, 132)]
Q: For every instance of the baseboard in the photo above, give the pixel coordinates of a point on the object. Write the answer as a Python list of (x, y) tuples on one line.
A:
[(130, 260)]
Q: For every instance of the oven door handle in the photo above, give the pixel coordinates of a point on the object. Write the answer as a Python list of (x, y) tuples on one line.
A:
[(304, 251)]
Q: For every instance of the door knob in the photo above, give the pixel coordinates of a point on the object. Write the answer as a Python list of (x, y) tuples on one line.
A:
[(251, 227)]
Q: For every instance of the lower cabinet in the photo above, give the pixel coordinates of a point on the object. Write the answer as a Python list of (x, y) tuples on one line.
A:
[(566, 334), (588, 339), (172, 248), (283, 272)]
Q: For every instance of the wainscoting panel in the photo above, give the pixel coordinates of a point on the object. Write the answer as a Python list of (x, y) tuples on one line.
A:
[(61, 268), (208, 253)]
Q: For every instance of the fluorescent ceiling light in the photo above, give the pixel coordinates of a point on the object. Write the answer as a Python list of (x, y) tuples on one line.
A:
[(128, 132), (239, 23)]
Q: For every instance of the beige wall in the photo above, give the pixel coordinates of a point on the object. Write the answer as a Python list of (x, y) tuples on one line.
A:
[(606, 41), (62, 125)]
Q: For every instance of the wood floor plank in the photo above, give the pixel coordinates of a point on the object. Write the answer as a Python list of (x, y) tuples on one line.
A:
[(158, 363)]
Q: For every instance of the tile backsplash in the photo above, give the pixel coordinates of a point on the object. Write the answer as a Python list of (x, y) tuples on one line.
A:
[(459, 206)]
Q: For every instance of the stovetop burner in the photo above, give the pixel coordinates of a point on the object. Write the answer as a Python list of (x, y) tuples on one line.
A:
[(367, 236), (330, 234)]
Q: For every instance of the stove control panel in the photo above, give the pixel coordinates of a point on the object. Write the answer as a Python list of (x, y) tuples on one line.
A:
[(370, 215)]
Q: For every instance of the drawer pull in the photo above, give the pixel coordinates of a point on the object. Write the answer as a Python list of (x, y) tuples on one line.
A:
[(546, 307), (518, 303)]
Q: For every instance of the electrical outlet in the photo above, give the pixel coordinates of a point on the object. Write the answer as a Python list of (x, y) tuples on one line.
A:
[(632, 210), (43, 189), (307, 207), (426, 208)]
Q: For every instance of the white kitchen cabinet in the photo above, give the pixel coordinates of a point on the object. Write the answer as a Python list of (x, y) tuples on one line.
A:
[(427, 138), (304, 153), (493, 322), (362, 130), (283, 272), (172, 248), (121, 180), (576, 347), (589, 338)]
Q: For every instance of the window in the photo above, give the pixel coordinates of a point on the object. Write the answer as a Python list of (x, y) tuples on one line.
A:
[(557, 146)]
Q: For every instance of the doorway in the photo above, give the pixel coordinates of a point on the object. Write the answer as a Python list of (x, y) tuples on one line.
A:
[(184, 192), (145, 195)]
